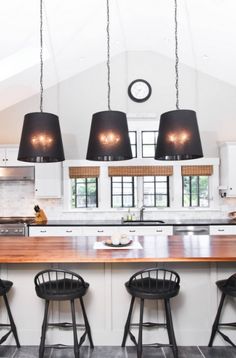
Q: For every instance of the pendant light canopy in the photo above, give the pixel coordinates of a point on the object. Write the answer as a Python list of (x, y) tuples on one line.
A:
[(41, 140), (178, 137), (109, 135)]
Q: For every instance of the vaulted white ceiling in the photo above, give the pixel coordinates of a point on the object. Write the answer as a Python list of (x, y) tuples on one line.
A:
[(75, 38)]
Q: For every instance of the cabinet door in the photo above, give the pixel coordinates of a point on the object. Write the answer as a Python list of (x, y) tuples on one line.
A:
[(147, 230), (227, 168), (222, 230), (8, 157), (11, 158), (2, 157), (55, 231), (48, 180)]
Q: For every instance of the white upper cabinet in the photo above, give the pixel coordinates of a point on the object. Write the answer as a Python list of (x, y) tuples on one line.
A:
[(228, 169), (48, 180), (8, 158)]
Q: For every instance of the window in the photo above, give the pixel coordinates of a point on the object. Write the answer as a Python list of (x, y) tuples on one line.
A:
[(133, 142), (84, 193), (123, 190), (195, 191), (149, 139), (156, 191)]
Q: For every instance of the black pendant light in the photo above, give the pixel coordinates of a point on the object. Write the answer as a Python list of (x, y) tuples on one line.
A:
[(109, 136), (178, 137), (41, 140)]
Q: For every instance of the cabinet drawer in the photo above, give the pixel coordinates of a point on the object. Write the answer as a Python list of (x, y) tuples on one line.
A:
[(147, 230), (98, 230), (222, 230), (55, 231)]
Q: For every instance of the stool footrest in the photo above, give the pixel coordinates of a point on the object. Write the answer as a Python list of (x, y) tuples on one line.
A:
[(226, 338), (65, 325), (149, 324), (157, 345), (3, 339), (58, 346), (232, 324)]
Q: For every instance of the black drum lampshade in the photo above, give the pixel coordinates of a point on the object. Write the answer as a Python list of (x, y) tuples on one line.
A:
[(41, 140), (109, 137), (178, 137)]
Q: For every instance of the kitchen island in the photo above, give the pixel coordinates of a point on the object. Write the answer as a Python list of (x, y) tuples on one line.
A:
[(200, 261)]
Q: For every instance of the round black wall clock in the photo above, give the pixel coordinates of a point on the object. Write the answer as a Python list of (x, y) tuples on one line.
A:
[(139, 90)]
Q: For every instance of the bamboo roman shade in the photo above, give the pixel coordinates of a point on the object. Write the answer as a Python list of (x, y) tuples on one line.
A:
[(84, 172), (140, 171), (197, 170)]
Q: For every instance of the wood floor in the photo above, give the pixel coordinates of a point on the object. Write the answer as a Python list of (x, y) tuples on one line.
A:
[(117, 352)]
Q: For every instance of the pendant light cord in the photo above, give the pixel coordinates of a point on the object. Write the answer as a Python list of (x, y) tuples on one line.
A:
[(176, 58), (41, 55), (108, 59)]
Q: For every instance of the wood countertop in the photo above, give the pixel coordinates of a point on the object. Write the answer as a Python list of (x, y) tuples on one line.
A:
[(154, 249)]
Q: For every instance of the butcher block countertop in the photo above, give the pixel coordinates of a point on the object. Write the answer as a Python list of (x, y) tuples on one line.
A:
[(154, 249)]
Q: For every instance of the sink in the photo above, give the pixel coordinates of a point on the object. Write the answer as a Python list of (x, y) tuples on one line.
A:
[(142, 222)]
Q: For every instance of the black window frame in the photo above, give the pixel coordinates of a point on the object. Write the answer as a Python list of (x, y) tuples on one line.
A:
[(86, 193), (155, 132), (134, 147), (191, 177), (155, 192), (122, 195)]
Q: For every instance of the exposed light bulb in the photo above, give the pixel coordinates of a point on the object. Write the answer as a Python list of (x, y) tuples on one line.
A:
[(42, 140), (178, 138), (109, 138)]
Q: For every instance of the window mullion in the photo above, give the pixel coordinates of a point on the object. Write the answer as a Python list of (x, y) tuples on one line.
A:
[(86, 192)]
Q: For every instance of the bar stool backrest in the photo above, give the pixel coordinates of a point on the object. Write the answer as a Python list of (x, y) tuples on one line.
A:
[(154, 278), (58, 280)]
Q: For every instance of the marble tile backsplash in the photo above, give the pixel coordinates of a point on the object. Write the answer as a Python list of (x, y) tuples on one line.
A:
[(17, 199)]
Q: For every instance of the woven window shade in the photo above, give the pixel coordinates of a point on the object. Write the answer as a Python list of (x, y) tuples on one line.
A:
[(84, 172), (197, 170), (140, 171)]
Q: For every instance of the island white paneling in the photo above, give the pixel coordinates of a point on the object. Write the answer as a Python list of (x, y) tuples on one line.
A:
[(107, 302)]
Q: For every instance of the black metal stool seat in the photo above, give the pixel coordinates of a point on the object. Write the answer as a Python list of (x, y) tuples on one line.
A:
[(152, 284), (228, 288), (61, 285), (5, 287)]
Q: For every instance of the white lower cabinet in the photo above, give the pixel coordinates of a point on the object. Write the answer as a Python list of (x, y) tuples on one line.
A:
[(55, 231), (98, 230), (222, 229), (147, 230)]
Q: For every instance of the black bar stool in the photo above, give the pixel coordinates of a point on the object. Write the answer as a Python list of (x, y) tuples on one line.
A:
[(152, 284), (228, 288), (61, 285), (5, 287)]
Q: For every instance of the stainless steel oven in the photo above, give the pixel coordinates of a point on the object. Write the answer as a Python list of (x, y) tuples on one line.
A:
[(14, 226)]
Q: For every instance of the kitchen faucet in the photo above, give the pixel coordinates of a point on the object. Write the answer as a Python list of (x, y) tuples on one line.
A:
[(141, 213)]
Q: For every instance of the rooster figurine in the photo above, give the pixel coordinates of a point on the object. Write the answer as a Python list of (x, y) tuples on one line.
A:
[(40, 215)]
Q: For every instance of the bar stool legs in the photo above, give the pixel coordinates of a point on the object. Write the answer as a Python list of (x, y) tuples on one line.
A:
[(44, 328), (216, 324), (140, 332), (12, 324), (73, 325), (170, 328), (76, 346), (127, 324), (139, 343), (86, 322)]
